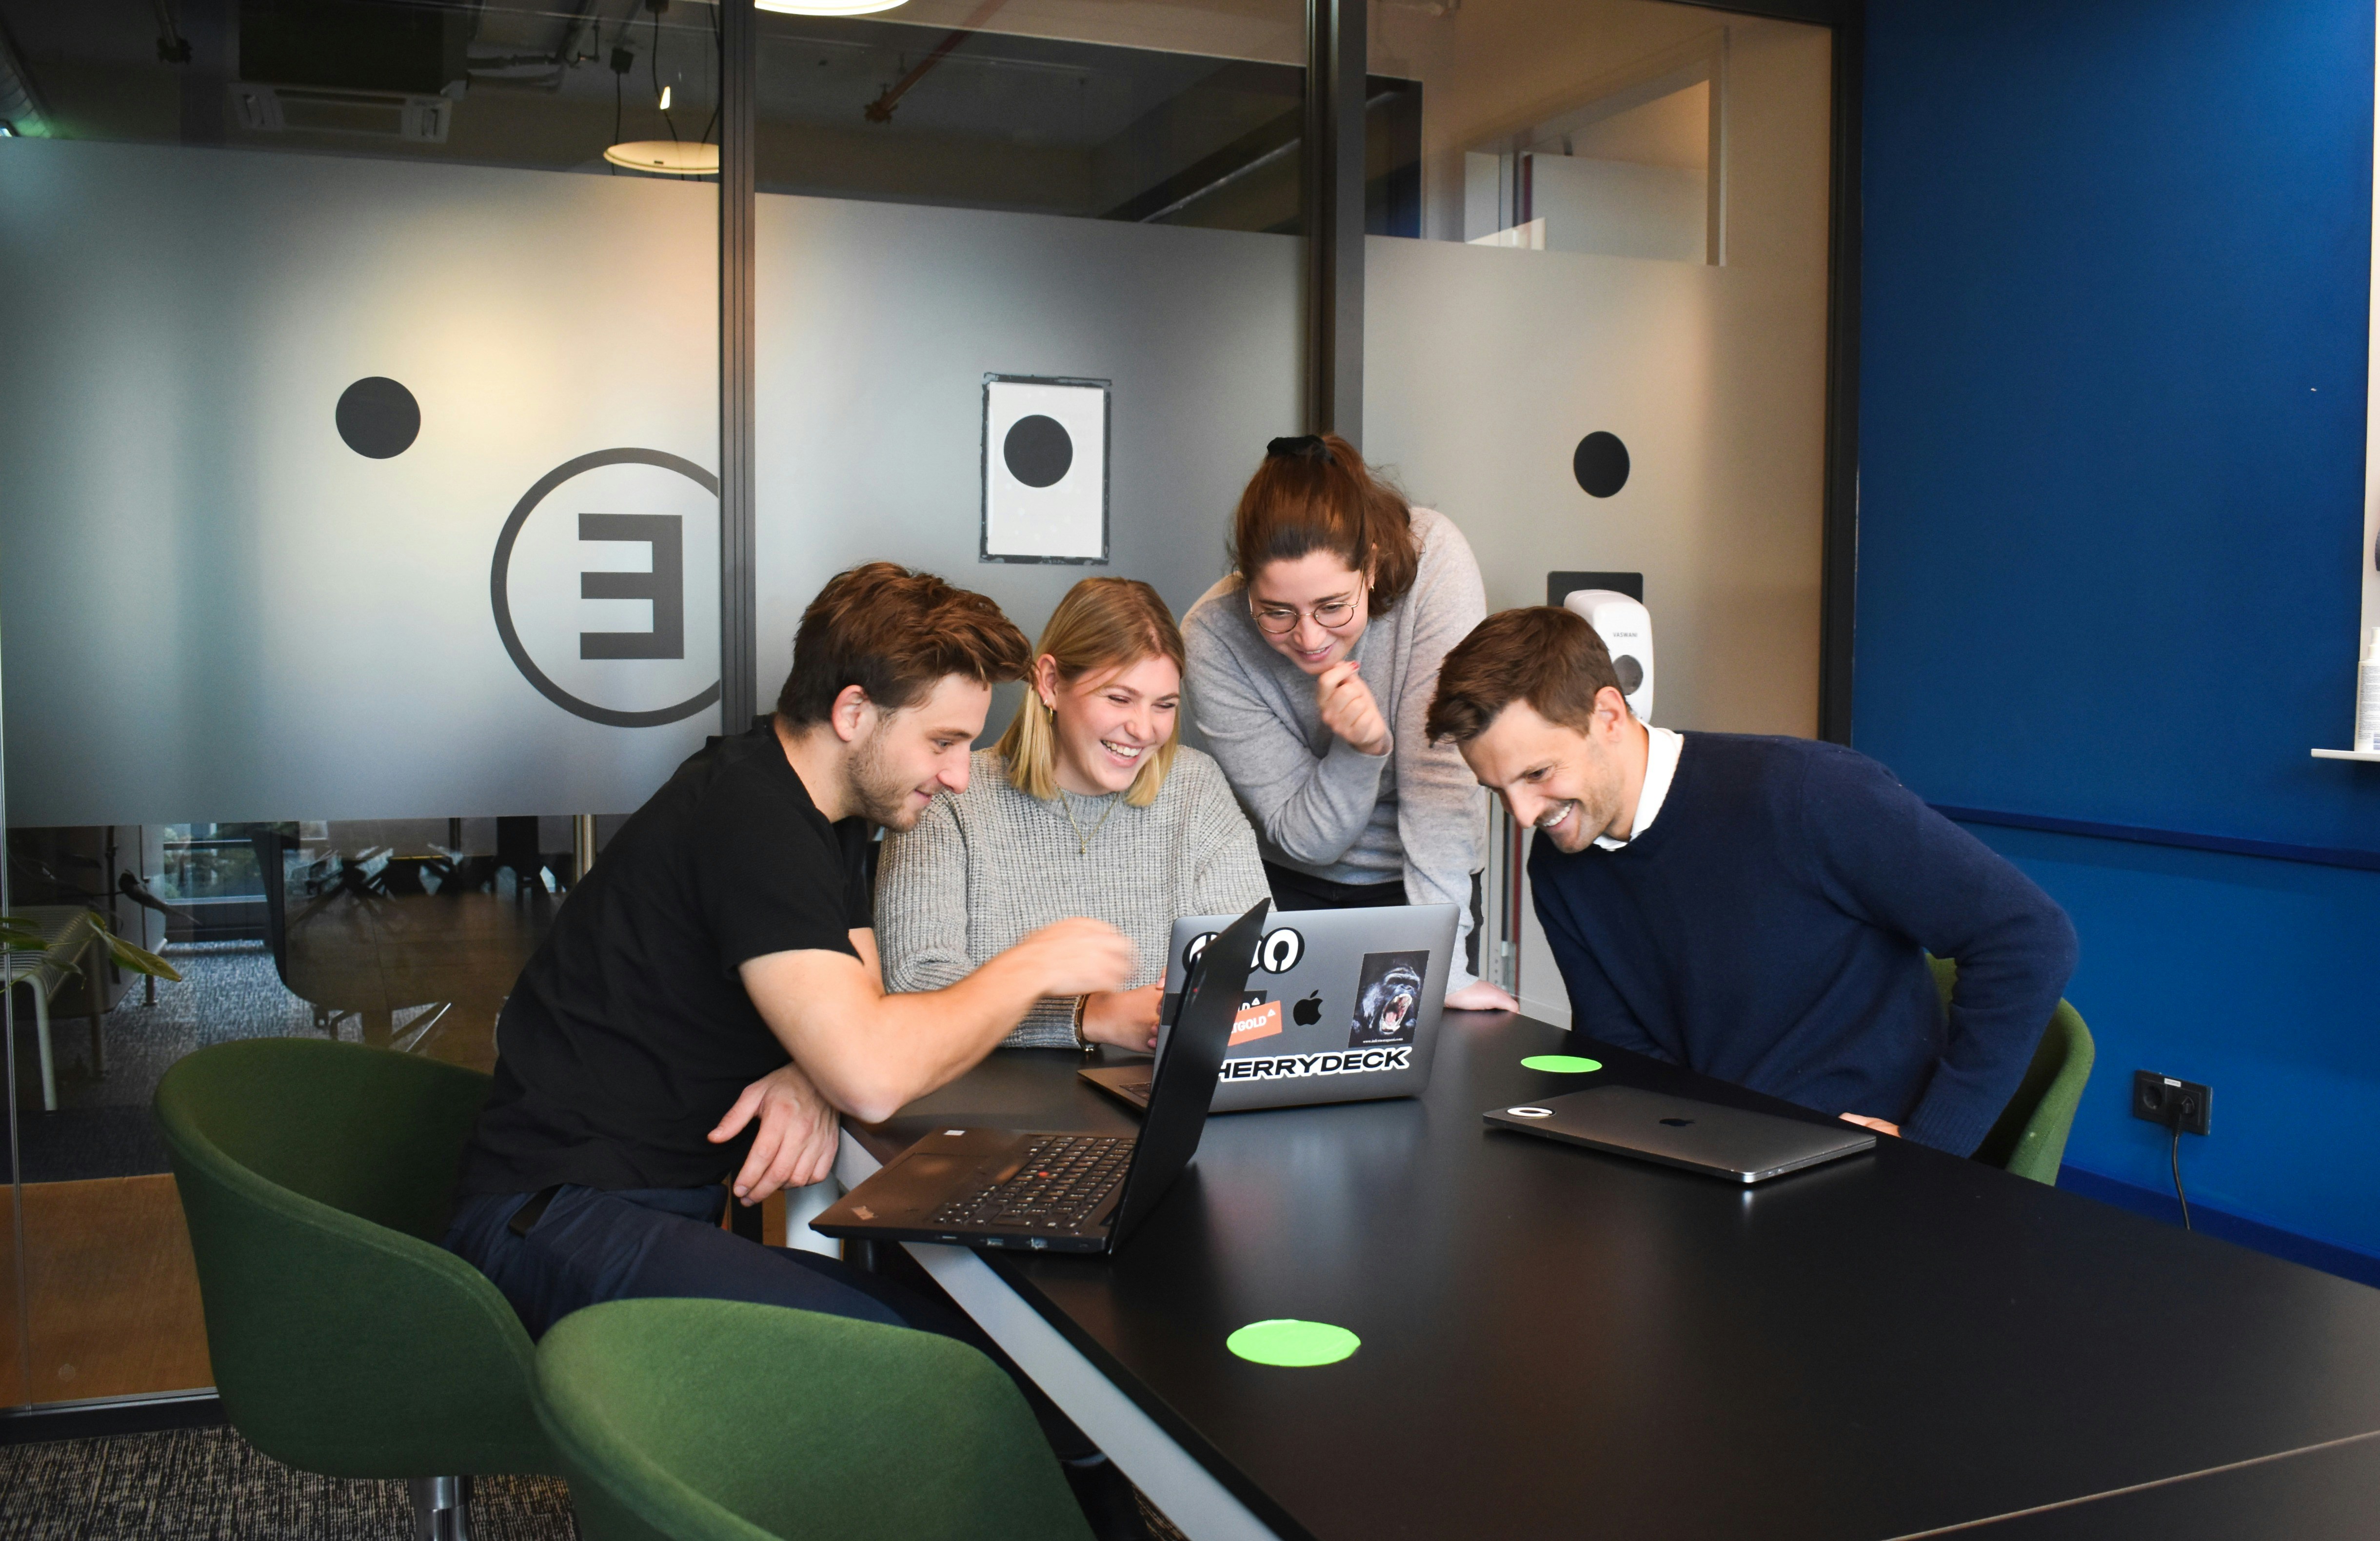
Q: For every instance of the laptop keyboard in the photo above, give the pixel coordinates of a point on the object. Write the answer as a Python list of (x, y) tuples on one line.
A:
[(1063, 1180)]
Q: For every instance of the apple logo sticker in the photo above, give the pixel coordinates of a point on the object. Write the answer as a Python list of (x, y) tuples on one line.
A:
[(1309, 1012)]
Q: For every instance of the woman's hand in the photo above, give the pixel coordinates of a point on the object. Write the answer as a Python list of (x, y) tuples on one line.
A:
[(1126, 1018), (1347, 708), (1481, 996)]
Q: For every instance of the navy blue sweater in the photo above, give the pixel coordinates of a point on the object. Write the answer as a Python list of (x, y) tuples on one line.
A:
[(1770, 929)]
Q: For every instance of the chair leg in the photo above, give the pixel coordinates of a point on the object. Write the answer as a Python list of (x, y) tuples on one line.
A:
[(49, 1067), (442, 1508), (98, 961)]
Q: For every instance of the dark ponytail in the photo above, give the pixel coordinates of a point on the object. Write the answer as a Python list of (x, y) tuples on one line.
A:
[(1314, 493)]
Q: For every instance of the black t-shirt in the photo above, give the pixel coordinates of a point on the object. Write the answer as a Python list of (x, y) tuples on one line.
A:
[(629, 1034)]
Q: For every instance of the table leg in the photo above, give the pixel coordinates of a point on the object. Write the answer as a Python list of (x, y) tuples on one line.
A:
[(802, 1205)]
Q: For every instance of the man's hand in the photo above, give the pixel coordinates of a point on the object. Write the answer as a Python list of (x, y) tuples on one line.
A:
[(795, 1145), (1876, 1124), (1481, 996), (1074, 957), (1125, 1018), (1347, 708)]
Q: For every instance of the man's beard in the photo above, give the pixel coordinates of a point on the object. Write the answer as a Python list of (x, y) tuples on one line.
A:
[(1586, 815), (881, 794)]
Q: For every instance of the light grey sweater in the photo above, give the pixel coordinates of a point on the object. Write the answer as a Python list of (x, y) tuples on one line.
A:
[(983, 868), (1318, 805)]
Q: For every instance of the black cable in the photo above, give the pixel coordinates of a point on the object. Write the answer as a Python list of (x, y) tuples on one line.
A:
[(2177, 1175), (718, 72), (657, 77)]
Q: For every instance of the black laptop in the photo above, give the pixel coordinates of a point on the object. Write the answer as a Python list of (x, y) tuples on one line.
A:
[(1055, 1191)]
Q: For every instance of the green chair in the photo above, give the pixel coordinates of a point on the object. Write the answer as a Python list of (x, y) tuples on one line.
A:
[(315, 1177), (712, 1420), (2030, 1137)]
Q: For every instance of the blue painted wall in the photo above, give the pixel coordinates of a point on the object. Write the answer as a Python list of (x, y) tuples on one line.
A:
[(2112, 418)]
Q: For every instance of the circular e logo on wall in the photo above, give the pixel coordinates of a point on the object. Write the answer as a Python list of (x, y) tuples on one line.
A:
[(590, 588)]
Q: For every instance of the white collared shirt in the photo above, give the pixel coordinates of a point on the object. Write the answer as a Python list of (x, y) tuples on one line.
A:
[(1660, 769)]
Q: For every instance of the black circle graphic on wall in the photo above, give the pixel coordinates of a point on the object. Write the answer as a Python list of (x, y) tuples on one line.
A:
[(379, 417), (1038, 451), (1600, 463)]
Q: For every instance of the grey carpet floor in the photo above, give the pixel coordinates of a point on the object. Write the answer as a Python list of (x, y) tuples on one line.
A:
[(102, 1127), (211, 1484)]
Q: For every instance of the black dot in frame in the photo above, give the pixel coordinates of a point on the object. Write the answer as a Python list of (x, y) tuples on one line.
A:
[(378, 418), (1600, 463), (1038, 451)]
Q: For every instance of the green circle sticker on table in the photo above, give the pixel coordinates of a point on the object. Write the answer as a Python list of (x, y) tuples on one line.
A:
[(1560, 1064), (1293, 1344)]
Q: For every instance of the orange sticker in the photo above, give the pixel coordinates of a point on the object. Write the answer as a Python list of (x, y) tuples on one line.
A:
[(1256, 1022)]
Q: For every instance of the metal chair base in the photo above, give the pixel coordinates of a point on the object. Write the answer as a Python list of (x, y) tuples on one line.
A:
[(442, 1508)]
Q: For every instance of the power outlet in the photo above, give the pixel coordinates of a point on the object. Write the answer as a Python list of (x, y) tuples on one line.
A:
[(2163, 1099)]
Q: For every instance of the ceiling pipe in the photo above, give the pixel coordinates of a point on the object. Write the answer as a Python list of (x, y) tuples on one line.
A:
[(880, 110)]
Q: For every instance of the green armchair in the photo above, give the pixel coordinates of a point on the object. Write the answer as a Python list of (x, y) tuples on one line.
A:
[(712, 1420), (315, 1177), (2030, 1137)]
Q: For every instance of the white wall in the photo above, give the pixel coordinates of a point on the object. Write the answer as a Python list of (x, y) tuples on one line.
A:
[(1484, 368), (878, 323)]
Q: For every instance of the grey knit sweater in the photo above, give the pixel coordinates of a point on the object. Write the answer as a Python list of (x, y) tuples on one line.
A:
[(983, 868), (1318, 805)]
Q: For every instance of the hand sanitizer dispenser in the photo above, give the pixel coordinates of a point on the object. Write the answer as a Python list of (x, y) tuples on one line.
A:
[(1626, 627)]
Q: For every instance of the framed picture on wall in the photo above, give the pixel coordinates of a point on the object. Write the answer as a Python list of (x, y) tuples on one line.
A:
[(1045, 470)]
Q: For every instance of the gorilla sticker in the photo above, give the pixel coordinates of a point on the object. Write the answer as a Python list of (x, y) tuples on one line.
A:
[(1388, 998)]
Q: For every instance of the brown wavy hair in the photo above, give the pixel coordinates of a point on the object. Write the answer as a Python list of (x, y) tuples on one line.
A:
[(894, 634), (1103, 624), (1550, 658), (1316, 494)]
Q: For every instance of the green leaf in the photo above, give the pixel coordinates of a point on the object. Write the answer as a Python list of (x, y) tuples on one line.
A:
[(140, 960), (20, 935)]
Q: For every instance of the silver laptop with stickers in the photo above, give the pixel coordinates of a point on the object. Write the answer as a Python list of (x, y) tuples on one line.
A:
[(1343, 1006)]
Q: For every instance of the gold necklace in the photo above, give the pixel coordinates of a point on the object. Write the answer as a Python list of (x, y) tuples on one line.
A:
[(1081, 840)]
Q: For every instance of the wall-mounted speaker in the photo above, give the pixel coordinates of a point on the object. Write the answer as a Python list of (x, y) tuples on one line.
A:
[(1626, 627)]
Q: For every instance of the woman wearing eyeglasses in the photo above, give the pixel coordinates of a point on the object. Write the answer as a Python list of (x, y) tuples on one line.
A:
[(1311, 668)]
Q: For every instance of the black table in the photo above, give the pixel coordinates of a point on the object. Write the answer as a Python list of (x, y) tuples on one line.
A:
[(1557, 1342)]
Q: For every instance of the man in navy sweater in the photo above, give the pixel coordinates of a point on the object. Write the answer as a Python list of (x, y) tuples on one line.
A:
[(1756, 909)]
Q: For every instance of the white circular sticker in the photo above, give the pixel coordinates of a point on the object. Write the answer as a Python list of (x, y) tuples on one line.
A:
[(1281, 950), (1530, 1113)]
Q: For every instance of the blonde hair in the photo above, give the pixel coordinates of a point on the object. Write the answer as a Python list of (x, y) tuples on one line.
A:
[(1103, 624)]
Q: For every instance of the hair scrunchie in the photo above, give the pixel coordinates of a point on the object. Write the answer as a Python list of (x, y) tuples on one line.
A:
[(1299, 446)]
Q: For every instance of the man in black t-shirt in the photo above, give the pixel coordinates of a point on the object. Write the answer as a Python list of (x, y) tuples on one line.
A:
[(708, 1000)]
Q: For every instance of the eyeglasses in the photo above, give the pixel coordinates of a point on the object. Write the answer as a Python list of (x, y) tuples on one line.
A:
[(1331, 614)]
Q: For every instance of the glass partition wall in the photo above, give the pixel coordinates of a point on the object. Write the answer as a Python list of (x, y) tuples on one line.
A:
[(1607, 352), (357, 411), (360, 442)]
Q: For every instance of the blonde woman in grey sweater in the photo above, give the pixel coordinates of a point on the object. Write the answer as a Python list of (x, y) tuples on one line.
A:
[(1311, 669), (1088, 806)]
